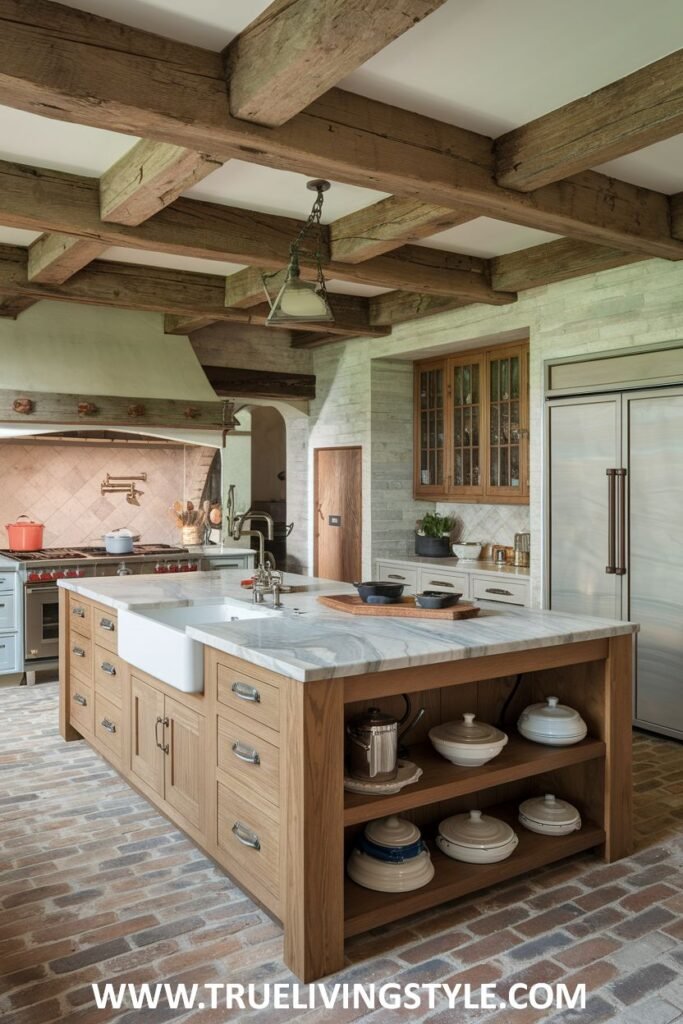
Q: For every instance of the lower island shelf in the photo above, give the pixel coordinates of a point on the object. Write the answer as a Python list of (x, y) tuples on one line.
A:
[(365, 908)]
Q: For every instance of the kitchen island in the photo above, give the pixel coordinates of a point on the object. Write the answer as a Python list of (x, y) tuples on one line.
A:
[(251, 764)]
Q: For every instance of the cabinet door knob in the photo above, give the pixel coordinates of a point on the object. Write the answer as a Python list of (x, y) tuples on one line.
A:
[(439, 583), (245, 753), (80, 699), (246, 836), (163, 722), (499, 590), (80, 612), (107, 667), (78, 651), (395, 576), (107, 624), (107, 724), (246, 692)]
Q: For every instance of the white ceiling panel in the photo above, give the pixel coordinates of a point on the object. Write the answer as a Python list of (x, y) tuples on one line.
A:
[(31, 139), (659, 167), (486, 237), (253, 187), (17, 236), (162, 259), (491, 65), (208, 23)]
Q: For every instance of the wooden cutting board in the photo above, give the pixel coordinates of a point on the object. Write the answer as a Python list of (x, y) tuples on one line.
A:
[(402, 609)]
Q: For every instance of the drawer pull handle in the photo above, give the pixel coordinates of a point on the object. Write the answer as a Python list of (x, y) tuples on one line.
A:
[(246, 692), (108, 725), (394, 576), (80, 612), (108, 625), (78, 651), (245, 753), (499, 590), (80, 699), (2, 606), (245, 836), (160, 722), (107, 667), (440, 583)]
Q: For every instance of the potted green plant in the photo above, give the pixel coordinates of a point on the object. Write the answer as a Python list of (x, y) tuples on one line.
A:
[(433, 535)]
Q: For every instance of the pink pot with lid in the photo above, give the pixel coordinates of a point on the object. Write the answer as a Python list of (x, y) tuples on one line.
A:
[(25, 534)]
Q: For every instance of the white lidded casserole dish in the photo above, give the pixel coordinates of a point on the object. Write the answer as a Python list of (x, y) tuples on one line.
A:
[(549, 816), (467, 743), (476, 838), (552, 723), (391, 857)]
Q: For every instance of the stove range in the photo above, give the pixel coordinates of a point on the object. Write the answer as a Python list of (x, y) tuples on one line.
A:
[(44, 555), (90, 551)]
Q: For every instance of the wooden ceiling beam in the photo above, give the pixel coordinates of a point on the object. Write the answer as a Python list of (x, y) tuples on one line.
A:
[(398, 307), (388, 224), (148, 178), (636, 111), (560, 260), (677, 215), (230, 381), (189, 227), (53, 258), (135, 82), (295, 50), (158, 289)]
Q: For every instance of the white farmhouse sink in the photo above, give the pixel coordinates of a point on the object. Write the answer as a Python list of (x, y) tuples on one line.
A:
[(154, 639)]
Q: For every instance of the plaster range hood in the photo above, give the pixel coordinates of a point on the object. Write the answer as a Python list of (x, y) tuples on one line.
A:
[(63, 349)]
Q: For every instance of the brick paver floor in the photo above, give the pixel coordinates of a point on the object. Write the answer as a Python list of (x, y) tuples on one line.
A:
[(96, 886)]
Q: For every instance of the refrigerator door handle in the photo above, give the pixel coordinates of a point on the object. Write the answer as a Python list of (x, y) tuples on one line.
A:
[(621, 502), (611, 521)]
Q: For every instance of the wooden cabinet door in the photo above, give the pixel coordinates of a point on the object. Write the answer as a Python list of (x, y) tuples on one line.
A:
[(184, 768), (466, 430), (147, 732), (430, 450), (508, 422)]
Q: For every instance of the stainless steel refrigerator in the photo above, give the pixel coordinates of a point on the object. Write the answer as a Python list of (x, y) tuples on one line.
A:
[(615, 530)]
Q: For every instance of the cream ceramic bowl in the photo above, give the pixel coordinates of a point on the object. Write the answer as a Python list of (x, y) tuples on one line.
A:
[(384, 876), (549, 816), (467, 743), (467, 552), (476, 838), (552, 723)]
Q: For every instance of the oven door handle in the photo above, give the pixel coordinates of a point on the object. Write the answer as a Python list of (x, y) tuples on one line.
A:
[(30, 589)]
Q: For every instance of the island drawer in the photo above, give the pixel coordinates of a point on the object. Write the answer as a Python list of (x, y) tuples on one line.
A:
[(250, 754), (81, 705), (108, 720), (105, 628), (9, 653), (507, 591), (443, 579), (108, 671), (80, 615), (398, 574), (249, 836), (248, 695), (80, 656), (8, 612)]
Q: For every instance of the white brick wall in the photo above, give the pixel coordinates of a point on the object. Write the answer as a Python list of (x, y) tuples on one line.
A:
[(635, 305)]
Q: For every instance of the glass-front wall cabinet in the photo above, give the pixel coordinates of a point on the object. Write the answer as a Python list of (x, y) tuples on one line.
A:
[(471, 426)]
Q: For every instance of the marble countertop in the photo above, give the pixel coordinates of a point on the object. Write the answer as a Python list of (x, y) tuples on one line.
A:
[(218, 550), (307, 641), (462, 565)]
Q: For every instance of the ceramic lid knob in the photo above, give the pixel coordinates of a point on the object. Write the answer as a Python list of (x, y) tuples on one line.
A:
[(549, 799), (553, 702), (468, 717), (475, 815)]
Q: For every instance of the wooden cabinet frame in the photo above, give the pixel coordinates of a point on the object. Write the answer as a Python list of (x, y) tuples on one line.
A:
[(483, 491)]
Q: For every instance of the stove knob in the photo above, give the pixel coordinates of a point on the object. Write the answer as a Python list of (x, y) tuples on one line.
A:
[(68, 573), (58, 574), (46, 575), (33, 577)]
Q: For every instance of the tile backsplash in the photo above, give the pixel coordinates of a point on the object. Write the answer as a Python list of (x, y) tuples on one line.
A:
[(59, 485), (490, 524)]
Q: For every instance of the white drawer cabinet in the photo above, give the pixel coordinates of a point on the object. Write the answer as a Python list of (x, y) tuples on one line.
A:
[(8, 612), (446, 580), (9, 653), (8, 582), (506, 591), (398, 574)]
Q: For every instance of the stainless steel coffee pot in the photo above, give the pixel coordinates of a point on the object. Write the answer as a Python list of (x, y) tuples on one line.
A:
[(373, 743)]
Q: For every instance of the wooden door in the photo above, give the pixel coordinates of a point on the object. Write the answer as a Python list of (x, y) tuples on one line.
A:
[(147, 732), (184, 770), (338, 513)]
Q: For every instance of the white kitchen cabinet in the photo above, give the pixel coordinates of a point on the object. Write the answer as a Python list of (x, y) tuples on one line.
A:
[(472, 580), (10, 625)]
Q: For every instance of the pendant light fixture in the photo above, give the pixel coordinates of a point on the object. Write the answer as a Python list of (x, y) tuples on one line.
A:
[(293, 300)]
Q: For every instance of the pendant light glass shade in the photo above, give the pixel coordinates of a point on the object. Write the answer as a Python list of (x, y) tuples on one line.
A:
[(299, 300)]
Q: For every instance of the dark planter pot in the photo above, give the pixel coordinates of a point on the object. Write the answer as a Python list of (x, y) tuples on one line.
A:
[(432, 547)]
